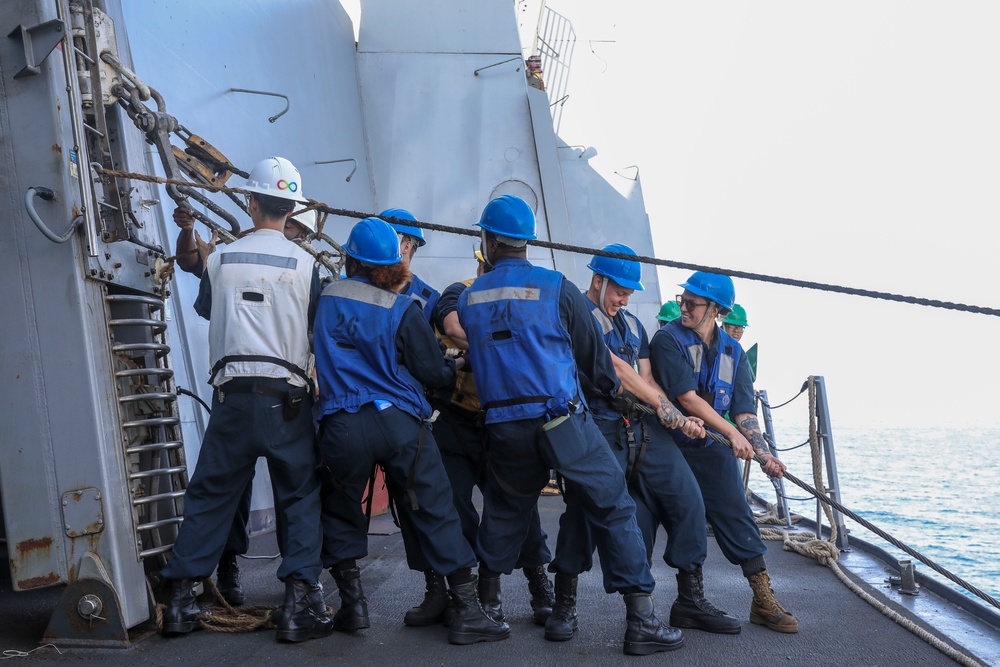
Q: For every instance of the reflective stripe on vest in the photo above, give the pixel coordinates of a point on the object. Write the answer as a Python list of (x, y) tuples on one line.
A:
[(423, 294), (521, 353), (261, 286), (356, 358), (625, 347)]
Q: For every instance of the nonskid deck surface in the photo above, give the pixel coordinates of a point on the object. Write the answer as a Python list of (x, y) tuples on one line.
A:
[(836, 627)]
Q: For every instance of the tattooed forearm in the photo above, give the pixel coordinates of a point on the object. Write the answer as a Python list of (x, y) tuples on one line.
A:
[(759, 444), (750, 424), (668, 415), (751, 430)]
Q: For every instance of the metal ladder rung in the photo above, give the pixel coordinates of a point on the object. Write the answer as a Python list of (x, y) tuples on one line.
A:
[(161, 349), (135, 372), (139, 449), (172, 521), (146, 500), (155, 421), (158, 396), (156, 325), (155, 551), (156, 472), (150, 301)]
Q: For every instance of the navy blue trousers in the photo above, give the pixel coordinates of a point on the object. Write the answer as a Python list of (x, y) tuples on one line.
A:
[(463, 452), (243, 428), (726, 508), (665, 492), (351, 445), (519, 458)]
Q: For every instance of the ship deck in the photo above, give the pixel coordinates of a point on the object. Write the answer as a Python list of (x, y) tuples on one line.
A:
[(836, 627)]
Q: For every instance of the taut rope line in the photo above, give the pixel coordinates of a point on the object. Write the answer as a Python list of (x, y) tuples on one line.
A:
[(759, 277)]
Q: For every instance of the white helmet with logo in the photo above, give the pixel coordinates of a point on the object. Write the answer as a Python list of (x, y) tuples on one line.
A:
[(275, 177), (307, 219)]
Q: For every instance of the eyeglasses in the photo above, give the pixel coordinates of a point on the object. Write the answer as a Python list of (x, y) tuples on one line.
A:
[(689, 304), (734, 327)]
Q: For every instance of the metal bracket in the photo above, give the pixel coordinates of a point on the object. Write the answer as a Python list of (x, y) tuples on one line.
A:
[(509, 60), (38, 42), (271, 119), (83, 512), (88, 615), (349, 159)]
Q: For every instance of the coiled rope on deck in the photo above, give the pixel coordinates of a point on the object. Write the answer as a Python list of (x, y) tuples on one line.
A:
[(831, 503), (826, 552), (320, 207), (224, 617)]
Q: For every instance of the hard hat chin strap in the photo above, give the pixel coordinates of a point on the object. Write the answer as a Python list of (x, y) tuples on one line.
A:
[(600, 298), (484, 251)]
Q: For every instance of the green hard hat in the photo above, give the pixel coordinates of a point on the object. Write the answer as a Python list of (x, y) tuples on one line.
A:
[(669, 312), (737, 316)]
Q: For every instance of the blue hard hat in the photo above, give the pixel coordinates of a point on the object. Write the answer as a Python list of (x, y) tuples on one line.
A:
[(409, 230), (509, 216), (625, 272), (373, 241), (714, 286)]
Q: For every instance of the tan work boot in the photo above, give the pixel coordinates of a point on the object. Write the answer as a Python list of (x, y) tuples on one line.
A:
[(765, 609)]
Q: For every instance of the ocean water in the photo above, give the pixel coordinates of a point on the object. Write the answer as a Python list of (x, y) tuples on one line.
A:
[(934, 489)]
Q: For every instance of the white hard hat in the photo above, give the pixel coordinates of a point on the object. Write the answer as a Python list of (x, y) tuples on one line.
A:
[(307, 219), (275, 177)]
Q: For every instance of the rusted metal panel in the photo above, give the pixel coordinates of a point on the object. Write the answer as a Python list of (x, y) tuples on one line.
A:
[(29, 556), (37, 582)]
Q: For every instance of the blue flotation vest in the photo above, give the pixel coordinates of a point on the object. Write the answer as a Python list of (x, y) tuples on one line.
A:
[(356, 359), (521, 353), (624, 347), (715, 384), (423, 294)]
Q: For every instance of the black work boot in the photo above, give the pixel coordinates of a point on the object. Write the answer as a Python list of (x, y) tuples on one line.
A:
[(181, 615), (692, 610), (435, 602), (228, 577), (303, 615), (644, 633), (489, 597), (561, 624), (541, 593), (471, 624), (353, 612)]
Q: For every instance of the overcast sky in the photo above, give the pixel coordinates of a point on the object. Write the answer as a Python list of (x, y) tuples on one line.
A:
[(855, 143)]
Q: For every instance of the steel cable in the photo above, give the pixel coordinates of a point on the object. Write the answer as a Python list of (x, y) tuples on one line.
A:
[(830, 502), (565, 247)]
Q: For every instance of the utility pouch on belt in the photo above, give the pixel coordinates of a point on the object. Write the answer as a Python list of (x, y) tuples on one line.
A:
[(293, 402), (556, 431)]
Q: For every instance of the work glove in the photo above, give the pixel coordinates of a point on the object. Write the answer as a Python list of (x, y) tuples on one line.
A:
[(624, 402)]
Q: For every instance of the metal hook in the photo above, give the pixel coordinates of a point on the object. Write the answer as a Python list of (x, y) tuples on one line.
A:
[(561, 101), (476, 72), (288, 103), (140, 87), (587, 152), (349, 159), (633, 166)]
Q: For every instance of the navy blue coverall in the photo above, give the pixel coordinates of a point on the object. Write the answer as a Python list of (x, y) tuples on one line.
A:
[(519, 455), (459, 437), (661, 483), (714, 466), (384, 430), (243, 427)]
